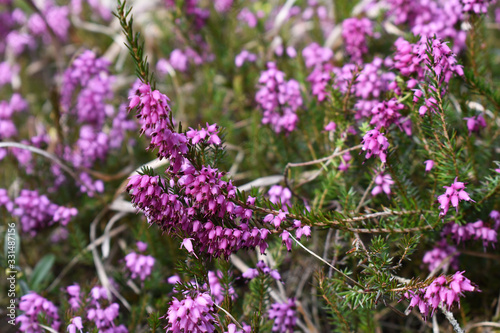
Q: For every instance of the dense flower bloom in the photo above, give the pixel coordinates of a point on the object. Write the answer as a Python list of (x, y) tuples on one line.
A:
[(217, 290), (102, 312), (386, 113), (139, 265), (354, 32), (477, 6), (191, 315), (284, 316), (205, 198), (36, 212), (281, 194), (476, 230), (91, 74), (261, 268), (375, 143), (440, 252), (383, 183), (431, 18), (454, 194), (32, 306), (244, 56), (441, 291), (74, 299), (153, 110), (279, 99), (315, 55)]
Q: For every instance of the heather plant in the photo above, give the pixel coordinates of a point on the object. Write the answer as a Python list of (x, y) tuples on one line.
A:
[(249, 166)]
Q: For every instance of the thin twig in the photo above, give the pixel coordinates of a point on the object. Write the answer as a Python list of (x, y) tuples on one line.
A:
[(42, 153)]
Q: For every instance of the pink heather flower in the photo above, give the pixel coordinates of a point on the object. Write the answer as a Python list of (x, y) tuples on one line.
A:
[(191, 315), (209, 133), (477, 6), (74, 299), (386, 113), (223, 6), (5, 200), (188, 245), (281, 194), (454, 194), (429, 164), (102, 311), (375, 143), (89, 75), (440, 291), (75, 324), (440, 252), (139, 265), (474, 124), (217, 290), (261, 268), (153, 110), (284, 316), (232, 328), (243, 57), (344, 164), (495, 216), (141, 246), (178, 60), (331, 127), (476, 230), (382, 184), (248, 17), (277, 219), (315, 55), (354, 32), (32, 306), (36, 212), (279, 99), (286, 240)]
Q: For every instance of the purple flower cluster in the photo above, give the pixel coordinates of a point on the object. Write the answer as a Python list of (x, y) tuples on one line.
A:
[(280, 194), (56, 16), (429, 18), (91, 75), (383, 183), (440, 252), (386, 113), (217, 290), (375, 143), (139, 265), (476, 230), (441, 291), (279, 99), (316, 56), (153, 110), (7, 109), (474, 124), (36, 212), (454, 194), (102, 312), (192, 314), (477, 6), (243, 57), (354, 32), (284, 315), (34, 305), (261, 268), (206, 198)]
